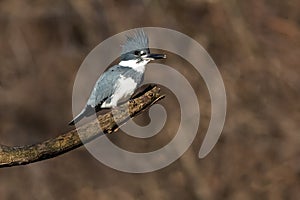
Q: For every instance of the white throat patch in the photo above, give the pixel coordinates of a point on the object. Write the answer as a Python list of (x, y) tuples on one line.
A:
[(139, 67)]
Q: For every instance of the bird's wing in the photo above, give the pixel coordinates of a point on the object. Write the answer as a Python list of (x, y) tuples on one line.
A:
[(105, 85)]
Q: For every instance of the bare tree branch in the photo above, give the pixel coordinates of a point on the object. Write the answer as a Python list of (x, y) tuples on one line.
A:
[(21, 155)]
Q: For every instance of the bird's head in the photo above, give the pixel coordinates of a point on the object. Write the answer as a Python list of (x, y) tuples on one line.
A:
[(136, 50)]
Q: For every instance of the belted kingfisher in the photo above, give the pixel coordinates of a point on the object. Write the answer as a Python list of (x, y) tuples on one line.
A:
[(120, 81)]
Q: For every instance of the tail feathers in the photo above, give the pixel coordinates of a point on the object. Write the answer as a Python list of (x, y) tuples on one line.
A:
[(86, 112), (77, 118)]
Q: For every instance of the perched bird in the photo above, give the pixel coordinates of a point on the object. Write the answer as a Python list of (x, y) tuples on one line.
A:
[(120, 81)]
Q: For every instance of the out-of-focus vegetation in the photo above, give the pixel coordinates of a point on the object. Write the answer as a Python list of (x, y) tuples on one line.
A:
[(255, 44)]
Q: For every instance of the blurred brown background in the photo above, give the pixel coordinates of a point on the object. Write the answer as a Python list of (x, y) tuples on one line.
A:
[(255, 44)]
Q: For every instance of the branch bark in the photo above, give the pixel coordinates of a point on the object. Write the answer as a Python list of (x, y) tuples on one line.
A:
[(22, 155)]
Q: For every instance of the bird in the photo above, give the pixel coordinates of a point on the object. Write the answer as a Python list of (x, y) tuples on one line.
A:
[(119, 82)]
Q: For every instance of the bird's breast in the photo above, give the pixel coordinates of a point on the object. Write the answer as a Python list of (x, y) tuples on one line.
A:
[(125, 87), (126, 84)]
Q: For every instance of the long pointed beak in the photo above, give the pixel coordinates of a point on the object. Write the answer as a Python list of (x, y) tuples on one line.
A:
[(156, 56)]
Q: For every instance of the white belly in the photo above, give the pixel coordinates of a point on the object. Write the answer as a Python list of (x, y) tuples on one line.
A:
[(125, 87)]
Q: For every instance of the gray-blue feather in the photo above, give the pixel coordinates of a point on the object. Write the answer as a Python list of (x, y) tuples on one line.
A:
[(139, 41), (105, 85)]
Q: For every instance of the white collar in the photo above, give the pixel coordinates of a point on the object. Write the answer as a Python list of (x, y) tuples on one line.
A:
[(137, 66)]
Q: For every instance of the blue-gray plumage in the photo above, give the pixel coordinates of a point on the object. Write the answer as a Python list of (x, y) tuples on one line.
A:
[(120, 81)]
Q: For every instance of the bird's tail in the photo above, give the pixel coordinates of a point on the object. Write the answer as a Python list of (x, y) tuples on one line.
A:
[(78, 118)]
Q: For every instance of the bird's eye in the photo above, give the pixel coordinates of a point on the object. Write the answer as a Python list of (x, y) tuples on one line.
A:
[(137, 53)]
